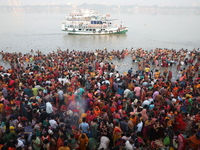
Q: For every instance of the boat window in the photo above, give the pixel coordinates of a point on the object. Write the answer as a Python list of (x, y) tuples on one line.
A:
[(94, 22), (90, 29), (80, 29), (86, 29), (94, 29)]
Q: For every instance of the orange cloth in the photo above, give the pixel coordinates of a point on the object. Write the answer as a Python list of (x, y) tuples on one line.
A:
[(134, 120), (83, 141), (117, 133), (194, 143), (175, 91), (64, 148), (97, 111)]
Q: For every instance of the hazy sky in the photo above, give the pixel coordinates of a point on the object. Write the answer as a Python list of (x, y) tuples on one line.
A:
[(117, 2)]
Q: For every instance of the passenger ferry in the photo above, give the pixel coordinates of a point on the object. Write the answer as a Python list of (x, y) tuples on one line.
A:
[(92, 23)]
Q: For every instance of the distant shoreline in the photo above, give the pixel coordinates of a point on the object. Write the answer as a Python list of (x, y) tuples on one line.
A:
[(110, 7)]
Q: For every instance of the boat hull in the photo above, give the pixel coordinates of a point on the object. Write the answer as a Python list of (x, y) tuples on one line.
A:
[(97, 33)]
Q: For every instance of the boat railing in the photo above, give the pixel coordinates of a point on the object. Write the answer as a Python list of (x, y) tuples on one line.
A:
[(91, 26)]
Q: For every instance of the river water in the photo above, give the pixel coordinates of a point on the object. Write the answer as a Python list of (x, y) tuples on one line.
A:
[(21, 31), (41, 29)]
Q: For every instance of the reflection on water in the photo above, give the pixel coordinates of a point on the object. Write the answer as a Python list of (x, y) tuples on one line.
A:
[(92, 42)]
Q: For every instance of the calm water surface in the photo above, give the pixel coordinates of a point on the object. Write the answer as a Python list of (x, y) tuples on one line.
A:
[(25, 30)]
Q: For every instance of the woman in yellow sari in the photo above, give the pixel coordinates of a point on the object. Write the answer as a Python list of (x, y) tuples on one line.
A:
[(156, 74), (117, 132)]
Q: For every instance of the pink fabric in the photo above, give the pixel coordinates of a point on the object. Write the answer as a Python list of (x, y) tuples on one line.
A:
[(181, 142), (144, 114), (137, 91), (154, 94)]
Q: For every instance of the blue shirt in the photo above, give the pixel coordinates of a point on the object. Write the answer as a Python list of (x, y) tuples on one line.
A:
[(151, 106), (130, 71), (120, 91), (84, 127)]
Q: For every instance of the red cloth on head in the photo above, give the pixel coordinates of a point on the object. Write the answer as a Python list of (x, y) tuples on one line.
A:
[(112, 109)]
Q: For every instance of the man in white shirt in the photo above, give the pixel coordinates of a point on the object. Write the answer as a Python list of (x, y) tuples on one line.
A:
[(139, 126), (145, 102), (53, 123), (126, 93), (104, 143), (19, 143), (129, 145), (150, 100), (60, 97), (49, 108), (102, 64)]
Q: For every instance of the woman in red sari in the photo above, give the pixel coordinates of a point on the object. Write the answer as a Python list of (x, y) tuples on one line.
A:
[(169, 75), (90, 116), (179, 123)]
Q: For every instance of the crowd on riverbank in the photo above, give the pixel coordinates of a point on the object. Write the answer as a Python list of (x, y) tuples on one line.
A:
[(78, 100)]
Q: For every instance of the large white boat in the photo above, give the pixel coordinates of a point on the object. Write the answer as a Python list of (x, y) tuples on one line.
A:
[(90, 22)]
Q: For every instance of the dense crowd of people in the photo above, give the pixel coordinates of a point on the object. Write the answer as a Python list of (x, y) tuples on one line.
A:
[(67, 100)]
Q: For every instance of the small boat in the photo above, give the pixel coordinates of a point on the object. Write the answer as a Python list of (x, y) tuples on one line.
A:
[(89, 22)]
